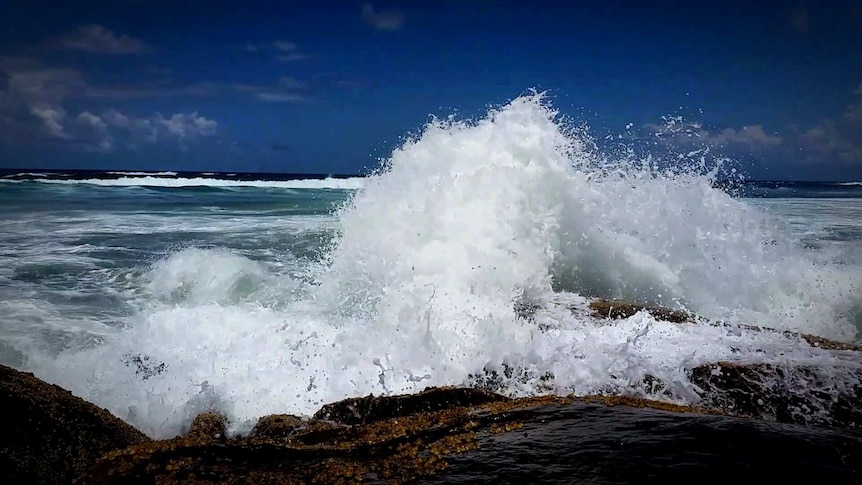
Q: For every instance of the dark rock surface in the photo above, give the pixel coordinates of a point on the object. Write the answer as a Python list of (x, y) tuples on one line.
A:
[(535, 440), (364, 410), (414, 442), (581, 443), (786, 394), (50, 435)]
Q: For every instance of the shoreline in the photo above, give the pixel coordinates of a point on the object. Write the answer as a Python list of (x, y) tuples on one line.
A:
[(56, 436)]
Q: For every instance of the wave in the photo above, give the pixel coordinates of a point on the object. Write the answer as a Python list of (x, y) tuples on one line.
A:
[(27, 174), (164, 174), (856, 184), (327, 183), (434, 260)]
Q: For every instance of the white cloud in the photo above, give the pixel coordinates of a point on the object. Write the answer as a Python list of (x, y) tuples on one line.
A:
[(32, 100), (98, 39), (104, 142), (382, 20), (675, 130), (115, 118), (101, 132), (44, 85), (52, 121), (187, 125), (286, 90), (748, 135), (288, 82), (838, 139), (284, 46)]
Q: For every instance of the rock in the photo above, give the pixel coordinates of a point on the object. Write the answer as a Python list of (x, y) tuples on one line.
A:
[(208, 428), (364, 410), (410, 442), (51, 436), (577, 443), (276, 427), (783, 393), (488, 438), (616, 309), (786, 394)]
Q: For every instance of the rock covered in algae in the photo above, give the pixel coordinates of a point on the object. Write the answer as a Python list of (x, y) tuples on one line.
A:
[(52, 436), (441, 436)]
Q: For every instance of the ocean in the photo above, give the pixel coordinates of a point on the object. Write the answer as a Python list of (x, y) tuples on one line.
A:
[(158, 295)]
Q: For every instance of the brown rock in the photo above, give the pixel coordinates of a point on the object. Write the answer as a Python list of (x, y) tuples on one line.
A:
[(415, 442), (208, 428), (277, 426), (363, 410), (616, 309), (50, 436), (497, 439)]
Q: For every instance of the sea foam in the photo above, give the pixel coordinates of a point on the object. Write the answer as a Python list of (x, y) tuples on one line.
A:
[(475, 248)]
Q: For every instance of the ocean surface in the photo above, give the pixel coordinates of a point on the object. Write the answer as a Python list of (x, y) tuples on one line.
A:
[(160, 295)]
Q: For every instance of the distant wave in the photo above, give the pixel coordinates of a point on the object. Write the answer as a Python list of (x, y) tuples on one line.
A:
[(857, 184), (26, 174), (327, 183), (166, 174)]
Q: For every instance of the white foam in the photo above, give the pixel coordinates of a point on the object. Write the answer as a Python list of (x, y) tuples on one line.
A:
[(26, 174), (327, 183), (165, 174), (433, 254), (196, 276)]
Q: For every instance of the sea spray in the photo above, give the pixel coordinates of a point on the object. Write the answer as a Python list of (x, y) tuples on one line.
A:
[(472, 253)]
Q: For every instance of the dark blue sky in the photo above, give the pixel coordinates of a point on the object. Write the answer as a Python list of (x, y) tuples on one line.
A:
[(328, 87)]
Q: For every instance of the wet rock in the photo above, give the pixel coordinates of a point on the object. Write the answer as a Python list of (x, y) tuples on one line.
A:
[(827, 344), (51, 436), (498, 440), (411, 442), (616, 309), (208, 428), (363, 410), (577, 443), (782, 393), (277, 427)]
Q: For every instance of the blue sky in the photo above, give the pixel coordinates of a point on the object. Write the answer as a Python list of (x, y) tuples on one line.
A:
[(329, 87)]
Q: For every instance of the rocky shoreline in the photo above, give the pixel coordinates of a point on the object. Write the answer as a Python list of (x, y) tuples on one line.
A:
[(439, 434)]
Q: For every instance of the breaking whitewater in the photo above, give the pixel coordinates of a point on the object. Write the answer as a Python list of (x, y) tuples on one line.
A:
[(470, 256)]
